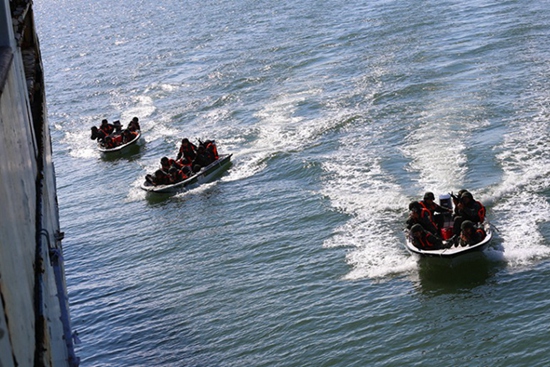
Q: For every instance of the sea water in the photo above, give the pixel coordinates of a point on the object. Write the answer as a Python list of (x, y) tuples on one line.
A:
[(338, 114)]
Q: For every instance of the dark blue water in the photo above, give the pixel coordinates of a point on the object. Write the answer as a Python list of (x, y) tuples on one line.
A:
[(338, 113)]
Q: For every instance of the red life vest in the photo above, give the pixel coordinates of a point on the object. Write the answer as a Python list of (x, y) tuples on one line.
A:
[(481, 212), (424, 243), (107, 129), (478, 231), (425, 212), (210, 146), (430, 210)]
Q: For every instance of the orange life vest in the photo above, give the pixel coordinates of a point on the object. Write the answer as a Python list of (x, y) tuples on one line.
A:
[(210, 146), (481, 212)]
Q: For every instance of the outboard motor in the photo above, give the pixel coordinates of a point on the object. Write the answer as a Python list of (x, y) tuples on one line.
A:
[(445, 201), (447, 229)]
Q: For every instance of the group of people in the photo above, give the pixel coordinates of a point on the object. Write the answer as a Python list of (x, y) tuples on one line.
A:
[(426, 221), (189, 160), (112, 135)]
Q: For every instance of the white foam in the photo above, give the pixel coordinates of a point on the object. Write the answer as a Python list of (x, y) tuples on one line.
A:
[(80, 144), (357, 185), (279, 130), (142, 107), (521, 200), (136, 193)]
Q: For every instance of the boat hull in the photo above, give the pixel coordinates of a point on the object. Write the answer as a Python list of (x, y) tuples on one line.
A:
[(454, 251), (206, 174), (121, 149)]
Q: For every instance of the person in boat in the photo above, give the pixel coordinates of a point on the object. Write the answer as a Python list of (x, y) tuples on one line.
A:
[(167, 163), (118, 127), (470, 234), (177, 175), (467, 209), (456, 198), (425, 240), (203, 158), (187, 150), (128, 136), (97, 134), (420, 215), (100, 133), (159, 178), (106, 127), (210, 146), (435, 209), (112, 141), (186, 166), (134, 125)]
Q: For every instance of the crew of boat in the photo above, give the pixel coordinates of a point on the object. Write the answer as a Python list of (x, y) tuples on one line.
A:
[(456, 225), (189, 161), (193, 163), (112, 136)]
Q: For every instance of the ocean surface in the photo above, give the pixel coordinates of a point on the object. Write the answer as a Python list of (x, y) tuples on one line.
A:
[(338, 114)]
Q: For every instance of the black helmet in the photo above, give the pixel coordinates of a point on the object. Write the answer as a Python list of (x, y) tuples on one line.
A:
[(417, 228), (429, 196), (415, 206), (466, 194), (467, 224)]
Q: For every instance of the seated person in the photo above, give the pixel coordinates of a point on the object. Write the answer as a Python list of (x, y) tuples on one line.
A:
[(424, 240), (177, 175), (118, 127), (97, 134), (435, 209), (468, 209), (210, 146), (186, 166), (167, 163), (112, 141), (134, 124), (469, 234), (106, 127), (159, 178), (187, 150), (128, 136), (203, 158), (420, 215)]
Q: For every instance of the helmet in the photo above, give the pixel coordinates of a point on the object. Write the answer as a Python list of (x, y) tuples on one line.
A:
[(467, 224), (467, 194), (415, 206), (417, 228), (429, 196)]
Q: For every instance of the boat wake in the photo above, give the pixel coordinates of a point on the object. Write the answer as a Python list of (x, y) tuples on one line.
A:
[(357, 185), (521, 206), (281, 129)]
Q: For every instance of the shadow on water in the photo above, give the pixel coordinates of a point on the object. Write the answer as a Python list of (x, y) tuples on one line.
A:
[(156, 199), (456, 275)]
